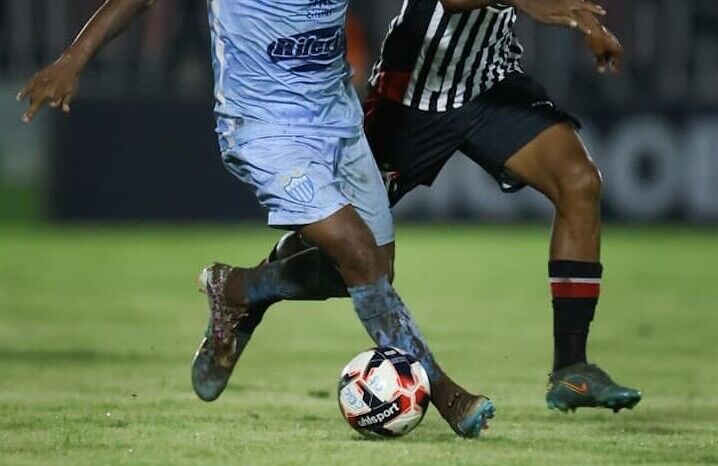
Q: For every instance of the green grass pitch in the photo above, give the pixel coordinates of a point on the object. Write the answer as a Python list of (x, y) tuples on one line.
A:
[(98, 327)]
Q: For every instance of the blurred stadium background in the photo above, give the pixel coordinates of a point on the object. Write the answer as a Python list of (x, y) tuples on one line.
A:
[(140, 144), (99, 320)]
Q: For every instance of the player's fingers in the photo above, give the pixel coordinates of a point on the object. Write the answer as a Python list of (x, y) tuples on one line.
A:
[(56, 98), (35, 105), (23, 93), (564, 20), (601, 63), (584, 26), (52, 96), (67, 102), (575, 22), (30, 113), (591, 7)]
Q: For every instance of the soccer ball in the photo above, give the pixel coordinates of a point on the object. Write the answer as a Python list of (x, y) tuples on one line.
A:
[(384, 392)]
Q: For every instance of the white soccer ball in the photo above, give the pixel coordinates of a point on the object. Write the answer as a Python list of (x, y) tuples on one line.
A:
[(384, 392)]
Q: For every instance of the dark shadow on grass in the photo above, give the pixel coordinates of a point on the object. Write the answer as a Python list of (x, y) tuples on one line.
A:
[(72, 356), (246, 387), (488, 439), (413, 437), (319, 394), (645, 428)]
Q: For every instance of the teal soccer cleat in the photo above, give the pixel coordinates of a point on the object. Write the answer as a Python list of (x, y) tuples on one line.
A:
[(587, 386)]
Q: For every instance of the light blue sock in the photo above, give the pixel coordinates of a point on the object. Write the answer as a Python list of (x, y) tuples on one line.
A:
[(389, 322)]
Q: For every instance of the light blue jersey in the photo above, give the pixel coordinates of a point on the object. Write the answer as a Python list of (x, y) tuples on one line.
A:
[(280, 67)]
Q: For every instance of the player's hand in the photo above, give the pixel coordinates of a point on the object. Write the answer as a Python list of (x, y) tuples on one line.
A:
[(55, 85), (561, 12), (607, 49)]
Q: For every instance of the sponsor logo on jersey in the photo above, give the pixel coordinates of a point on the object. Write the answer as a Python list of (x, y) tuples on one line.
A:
[(317, 47), (321, 9), (379, 417)]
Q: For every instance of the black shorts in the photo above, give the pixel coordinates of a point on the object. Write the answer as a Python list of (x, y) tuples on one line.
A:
[(412, 146)]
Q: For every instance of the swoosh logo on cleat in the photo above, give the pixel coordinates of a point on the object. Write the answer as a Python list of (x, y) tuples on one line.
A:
[(581, 389)]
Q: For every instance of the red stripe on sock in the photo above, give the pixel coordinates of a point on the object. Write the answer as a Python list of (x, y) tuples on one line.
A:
[(575, 290)]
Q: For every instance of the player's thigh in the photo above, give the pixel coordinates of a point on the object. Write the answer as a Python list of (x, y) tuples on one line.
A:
[(555, 162), (361, 183), (507, 120)]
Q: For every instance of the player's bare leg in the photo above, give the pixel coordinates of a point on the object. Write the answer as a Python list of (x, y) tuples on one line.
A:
[(313, 275), (238, 298), (349, 246), (557, 164), (350, 264)]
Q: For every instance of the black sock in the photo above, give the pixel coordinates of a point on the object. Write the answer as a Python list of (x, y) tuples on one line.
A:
[(575, 287), (308, 269), (307, 275), (313, 275)]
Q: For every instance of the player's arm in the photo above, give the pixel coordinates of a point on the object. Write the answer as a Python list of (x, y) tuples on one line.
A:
[(579, 14), (569, 13), (605, 46), (582, 15), (57, 83)]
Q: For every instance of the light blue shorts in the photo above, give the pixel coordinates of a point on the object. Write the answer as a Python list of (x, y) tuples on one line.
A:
[(301, 180)]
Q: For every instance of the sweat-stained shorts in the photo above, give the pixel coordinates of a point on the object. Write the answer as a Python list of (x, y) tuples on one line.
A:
[(301, 180)]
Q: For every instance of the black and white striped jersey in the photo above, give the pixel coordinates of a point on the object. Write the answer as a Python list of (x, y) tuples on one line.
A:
[(436, 61)]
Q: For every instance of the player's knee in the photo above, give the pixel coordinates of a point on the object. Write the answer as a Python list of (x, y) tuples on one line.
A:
[(362, 262), (580, 183), (351, 245)]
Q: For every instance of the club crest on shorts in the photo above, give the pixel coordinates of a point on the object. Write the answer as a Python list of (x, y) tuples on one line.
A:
[(301, 189)]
